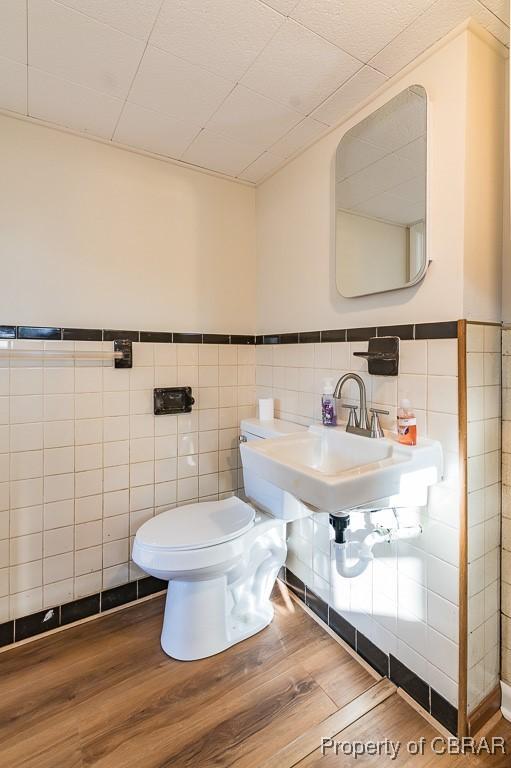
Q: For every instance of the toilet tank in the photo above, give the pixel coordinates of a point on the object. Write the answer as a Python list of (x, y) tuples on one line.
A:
[(266, 496)]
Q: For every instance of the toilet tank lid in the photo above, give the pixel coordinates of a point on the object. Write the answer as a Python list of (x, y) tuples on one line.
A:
[(194, 526), (270, 428)]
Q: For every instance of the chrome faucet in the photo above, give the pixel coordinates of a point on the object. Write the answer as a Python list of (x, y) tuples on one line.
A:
[(359, 424)]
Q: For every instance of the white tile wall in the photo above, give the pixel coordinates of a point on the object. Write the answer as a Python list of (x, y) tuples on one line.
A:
[(83, 461), (484, 508), (406, 601), (506, 506)]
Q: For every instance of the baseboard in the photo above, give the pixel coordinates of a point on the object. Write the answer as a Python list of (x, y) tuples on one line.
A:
[(484, 712), (506, 700)]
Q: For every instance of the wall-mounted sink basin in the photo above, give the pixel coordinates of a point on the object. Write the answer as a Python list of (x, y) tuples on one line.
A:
[(332, 470)]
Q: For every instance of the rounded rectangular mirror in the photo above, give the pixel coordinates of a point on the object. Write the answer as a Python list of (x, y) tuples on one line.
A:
[(380, 198)]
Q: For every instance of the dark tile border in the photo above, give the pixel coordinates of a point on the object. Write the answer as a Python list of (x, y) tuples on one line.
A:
[(372, 654), (240, 338), (309, 337), (409, 682), (407, 332), (110, 334), (82, 334), (342, 628), (316, 604), (404, 332), (385, 664), (159, 337), (443, 330), (79, 609), (113, 334), (33, 332), (359, 334), (36, 623), (339, 335), (437, 330), (93, 605), (216, 338), (444, 712)]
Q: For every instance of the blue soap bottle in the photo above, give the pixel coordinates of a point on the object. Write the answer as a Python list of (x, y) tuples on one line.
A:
[(328, 406)]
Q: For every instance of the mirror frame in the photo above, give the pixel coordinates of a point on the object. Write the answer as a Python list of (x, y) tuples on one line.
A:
[(427, 261)]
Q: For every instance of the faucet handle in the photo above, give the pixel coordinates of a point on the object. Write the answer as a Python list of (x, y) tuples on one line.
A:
[(376, 428), (352, 418)]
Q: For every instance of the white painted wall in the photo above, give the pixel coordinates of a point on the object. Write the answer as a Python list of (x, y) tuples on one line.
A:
[(95, 236), (375, 254), (295, 221), (484, 182)]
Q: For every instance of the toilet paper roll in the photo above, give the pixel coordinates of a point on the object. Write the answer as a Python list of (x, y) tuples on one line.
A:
[(266, 408)]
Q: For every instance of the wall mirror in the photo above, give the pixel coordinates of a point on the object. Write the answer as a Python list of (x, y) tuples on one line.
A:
[(380, 198)]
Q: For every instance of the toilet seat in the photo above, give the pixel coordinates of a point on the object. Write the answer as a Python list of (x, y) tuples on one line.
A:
[(196, 526)]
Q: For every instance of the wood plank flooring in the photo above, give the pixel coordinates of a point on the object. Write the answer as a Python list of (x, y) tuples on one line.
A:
[(104, 694)]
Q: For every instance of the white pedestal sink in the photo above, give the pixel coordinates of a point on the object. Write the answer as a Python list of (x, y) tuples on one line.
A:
[(332, 470)]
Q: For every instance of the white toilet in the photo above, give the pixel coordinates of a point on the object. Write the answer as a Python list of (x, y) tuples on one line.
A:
[(221, 559)]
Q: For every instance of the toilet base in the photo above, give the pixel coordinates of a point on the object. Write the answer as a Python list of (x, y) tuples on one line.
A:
[(196, 623)]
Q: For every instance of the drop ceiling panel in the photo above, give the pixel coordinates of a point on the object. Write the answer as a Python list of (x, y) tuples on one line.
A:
[(284, 6), (391, 208), (264, 165), (248, 117), (81, 50), (353, 92), (134, 17), (430, 27), (379, 177), (220, 154), (13, 86), (360, 28), (237, 87), (57, 101), (13, 30), (166, 83), (303, 133), (224, 36), (154, 132), (300, 69), (500, 8)]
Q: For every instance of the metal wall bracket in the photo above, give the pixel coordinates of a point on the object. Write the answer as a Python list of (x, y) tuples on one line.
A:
[(124, 346), (382, 355)]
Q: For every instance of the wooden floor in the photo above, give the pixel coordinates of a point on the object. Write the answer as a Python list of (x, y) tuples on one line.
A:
[(104, 694)]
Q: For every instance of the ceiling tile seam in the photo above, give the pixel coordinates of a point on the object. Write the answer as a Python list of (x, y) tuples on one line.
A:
[(267, 5), (307, 117), (103, 23), (264, 46), (203, 128), (492, 12), (301, 117), (136, 71), (264, 152), (402, 31), (340, 87), (78, 85), (211, 71), (322, 37)]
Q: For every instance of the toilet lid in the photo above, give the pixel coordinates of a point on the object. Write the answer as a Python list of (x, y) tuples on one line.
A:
[(197, 525)]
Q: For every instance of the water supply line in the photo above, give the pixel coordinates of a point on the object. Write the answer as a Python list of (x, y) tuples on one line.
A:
[(361, 552)]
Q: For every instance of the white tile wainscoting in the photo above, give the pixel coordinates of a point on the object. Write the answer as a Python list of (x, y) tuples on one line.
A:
[(406, 601), (506, 514), (483, 509), (83, 460)]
